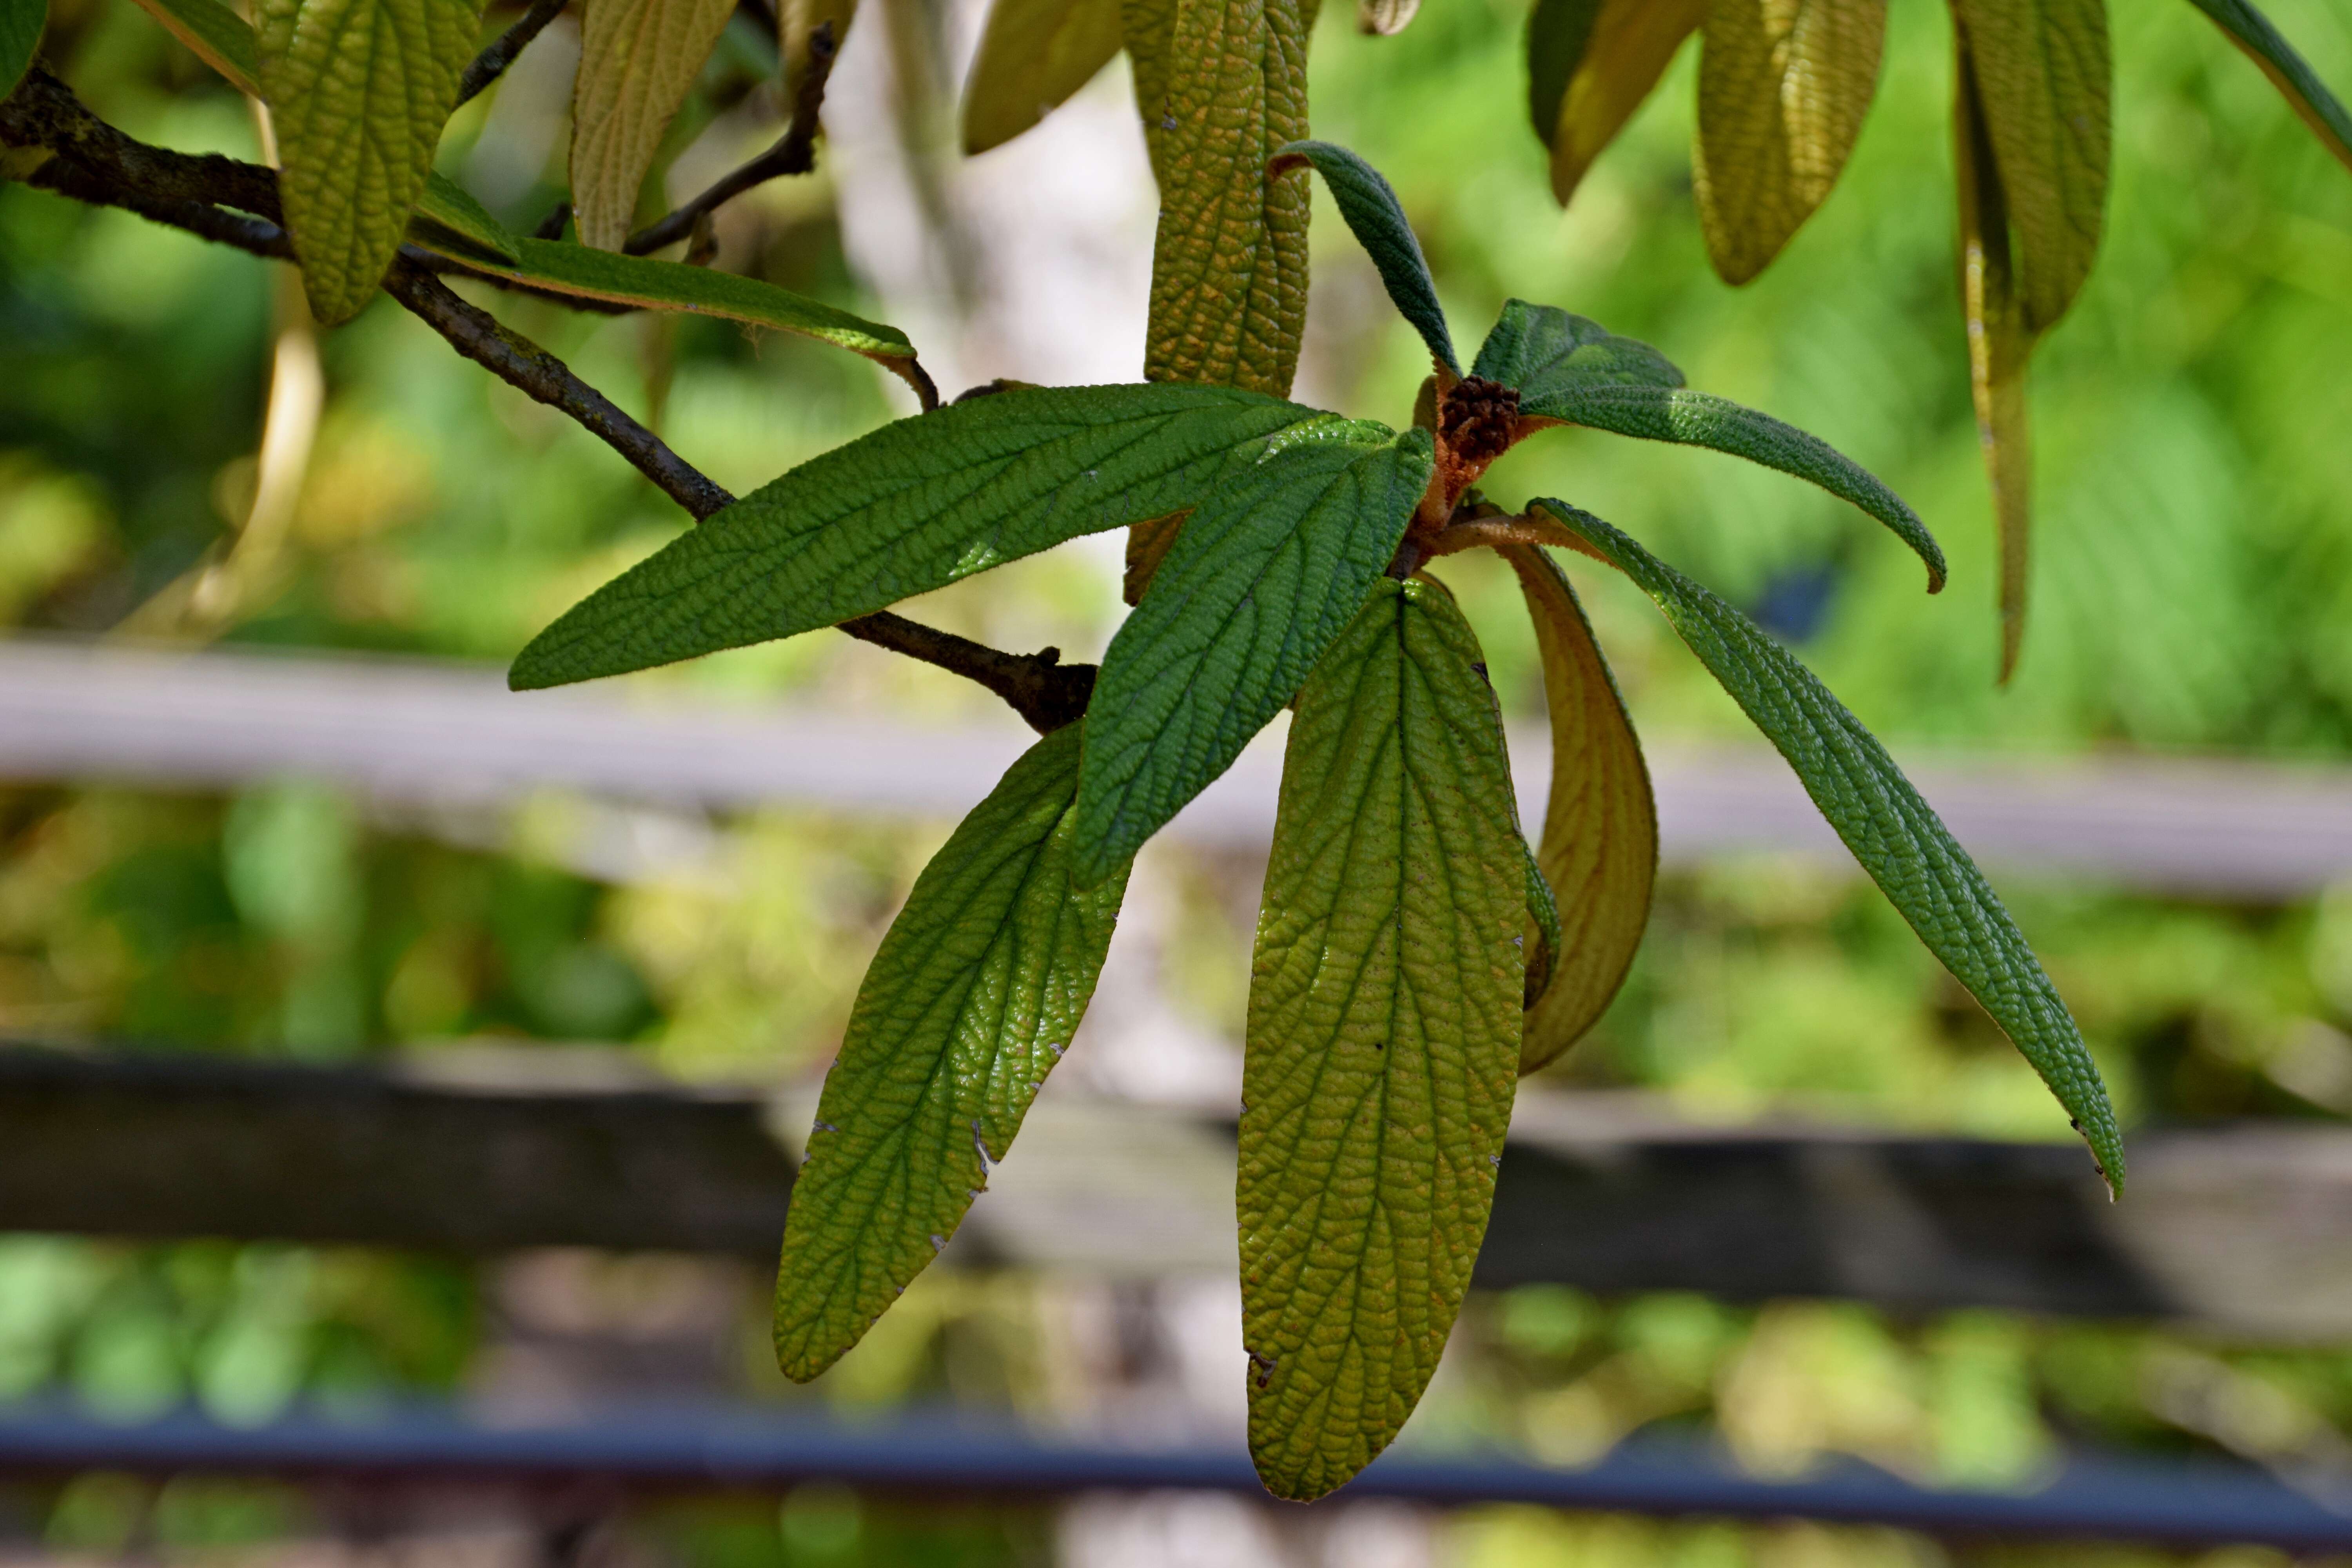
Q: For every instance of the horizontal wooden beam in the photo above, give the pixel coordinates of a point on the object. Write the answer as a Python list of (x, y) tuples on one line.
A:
[(2246, 1229)]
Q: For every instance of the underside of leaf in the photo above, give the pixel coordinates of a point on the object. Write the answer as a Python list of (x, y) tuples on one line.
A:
[(1033, 56), (637, 60), (1383, 1041), (1589, 65)]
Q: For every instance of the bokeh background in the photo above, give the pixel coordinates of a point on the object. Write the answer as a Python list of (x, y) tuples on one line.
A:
[(2192, 594)]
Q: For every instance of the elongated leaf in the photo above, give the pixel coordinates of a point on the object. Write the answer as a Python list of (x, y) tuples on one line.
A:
[(22, 22), (967, 1006), (1897, 836), (1589, 65), (914, 506), (1570, 371), (1783, 89), (452, 222), (1271, 567), (358, 91), (1383, 1038), (2042, 76), (2289, 72), (1599, 847), (1544, 942), (1377, 219), (637, 58), (218, 36), (1033, 56)]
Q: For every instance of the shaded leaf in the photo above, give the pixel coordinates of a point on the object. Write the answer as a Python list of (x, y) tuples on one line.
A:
[(1383, 1040), (1783, 89), (1589, 65), (1034, 55), (637, 60), (1272, 565), (218, 36), (1570, 371), (1600, 846), (22, 23), (1378, 221), (1893, 833), (970, 1001), (914, 506), (449, 220), (358, 91), (2289, 72), (1543, 942)]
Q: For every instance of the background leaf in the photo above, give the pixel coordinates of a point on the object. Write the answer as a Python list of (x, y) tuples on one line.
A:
[(1385, 18), (1033, 56), (914, 506), (972, 999), (1377, 219), (1383, 1038), (220, 37), (1895, 834), (2288, 70), (22, 22), (358, 91), (1589, 65), (1782, 91), (637, 60), (1270, 566), (1600, 846)]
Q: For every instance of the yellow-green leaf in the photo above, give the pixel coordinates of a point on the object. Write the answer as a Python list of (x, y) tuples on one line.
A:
[(358, 91), (1034, 55), (969, 1004), (1600, 846), (22, 22), (2042, 71), (1589, 65), (1383, 1038), (1782, 88), (2288, 70), (637, 58)]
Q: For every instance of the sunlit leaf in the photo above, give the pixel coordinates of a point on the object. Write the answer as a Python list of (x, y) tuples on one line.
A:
[(358, 91), (22, 22), (2289, 72), (1600, 846), (1033, 56), (1895, 834), (1570, 371), (1589, 65), (1272, 565), (914, 506), (1383, 1038), (1377, 219), (1783, 89), (637, 60), (970, 1002)]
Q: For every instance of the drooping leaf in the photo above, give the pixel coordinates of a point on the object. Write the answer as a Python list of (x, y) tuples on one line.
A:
[(2000, 346), (22, 22), (969, 1004), (1378, 221), (797, 22), (1783, 89), (2042, 71), (1895, 834), (1589, 65), (914, 506), (1570, 371), (358, 91), (1033, 56), (1383, 1038), (1272, 565), (2289, 72), (637, 60), (1600, 846)]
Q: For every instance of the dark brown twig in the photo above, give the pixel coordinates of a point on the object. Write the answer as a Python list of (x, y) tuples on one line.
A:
[(492, 62), (794, 153)]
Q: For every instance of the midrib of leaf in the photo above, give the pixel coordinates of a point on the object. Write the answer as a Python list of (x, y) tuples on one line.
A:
[(637, 60)]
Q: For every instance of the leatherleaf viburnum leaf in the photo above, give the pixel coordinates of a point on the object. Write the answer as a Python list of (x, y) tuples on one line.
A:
[(1270, 568), (1383, 1038), (1896, 835), (1377, 219), (21, 23), (914, 506), (969, 1004)]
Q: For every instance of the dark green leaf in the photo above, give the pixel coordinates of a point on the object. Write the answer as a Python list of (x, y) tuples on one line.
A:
[(1378, 222), (970, 1002), (1572, 370), (1543, 913), (1897, 836), (915, 506), (22, 23), (2289, 72), (449, 220), (1271, 567)]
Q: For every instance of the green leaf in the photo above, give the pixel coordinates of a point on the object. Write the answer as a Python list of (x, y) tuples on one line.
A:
[(22, 22), (914, 506), (1543, 950), (358, 91), (1033, 56), (1893, 832), (637, 58), (1383, 1038), (1272, 565), (218, 36), (2289, 72), (1570, 371), (451, 221), (1589, 65), (1378, 221), (967, 1006)]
